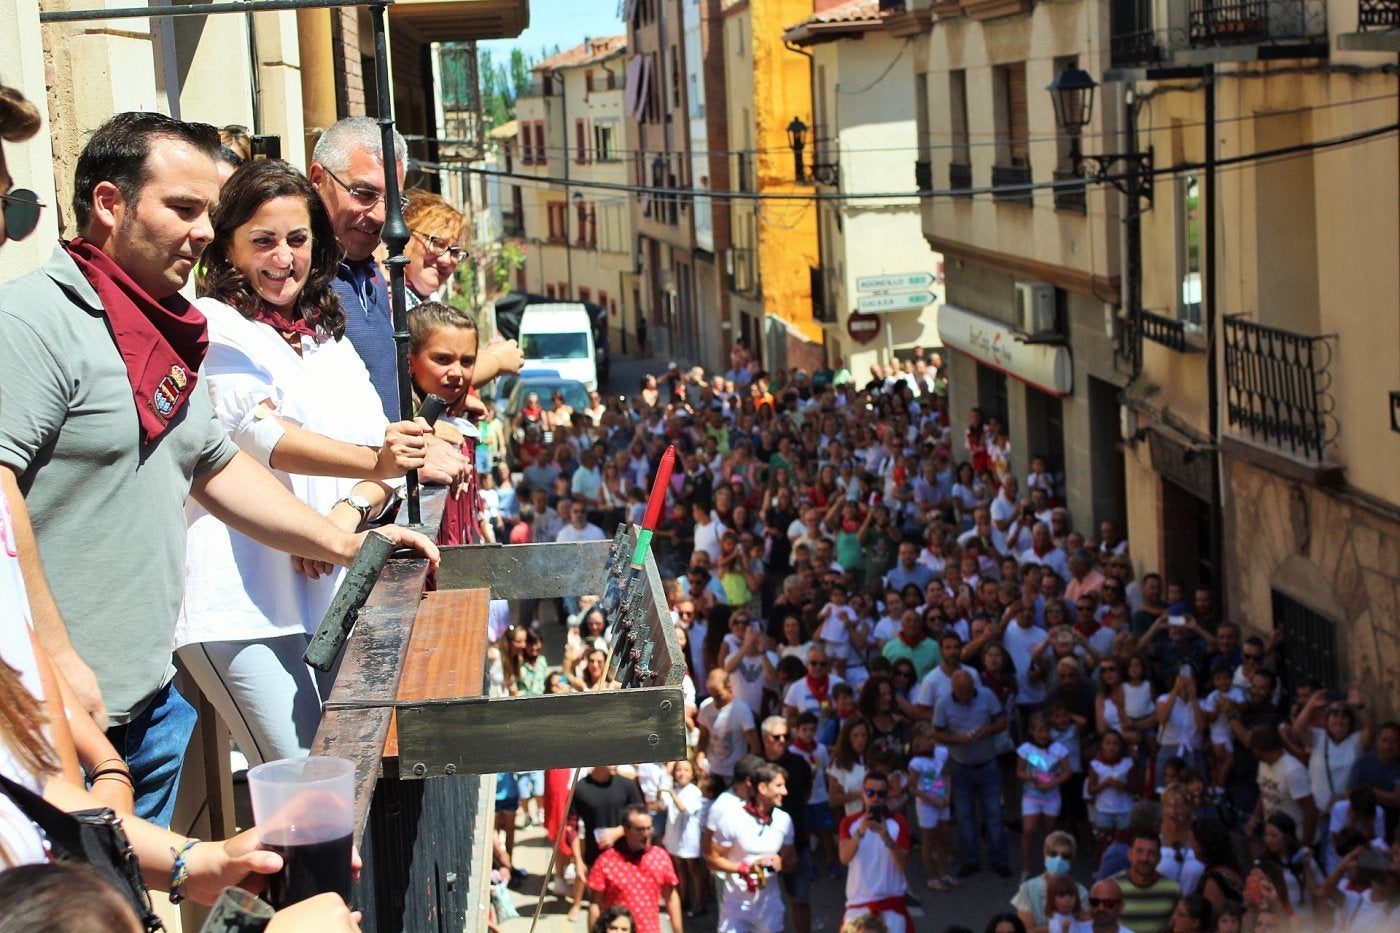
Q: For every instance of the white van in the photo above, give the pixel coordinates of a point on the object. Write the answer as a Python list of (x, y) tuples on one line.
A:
[(559, 336)]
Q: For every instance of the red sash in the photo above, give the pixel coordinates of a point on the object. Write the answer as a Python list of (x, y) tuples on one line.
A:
[(893, 905)]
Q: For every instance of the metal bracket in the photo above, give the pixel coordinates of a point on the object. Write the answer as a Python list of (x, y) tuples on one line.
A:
[(1134, 178)]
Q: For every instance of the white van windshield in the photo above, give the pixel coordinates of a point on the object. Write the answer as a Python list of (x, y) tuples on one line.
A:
[(572, 346)]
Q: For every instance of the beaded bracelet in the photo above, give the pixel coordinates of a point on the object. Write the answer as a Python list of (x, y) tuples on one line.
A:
[(180, 871)]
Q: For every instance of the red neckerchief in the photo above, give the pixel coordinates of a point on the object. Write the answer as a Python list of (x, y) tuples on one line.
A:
[(287, 327), (803, 745), (916, 642), (1040, 553), (1084, 629), (162, 343), (763, 820), (823, 693)]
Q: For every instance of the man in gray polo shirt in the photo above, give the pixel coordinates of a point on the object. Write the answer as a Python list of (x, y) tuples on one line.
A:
[(966, 720), (104, 446)]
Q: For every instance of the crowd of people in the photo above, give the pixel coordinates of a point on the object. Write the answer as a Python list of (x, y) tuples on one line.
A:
[(899, 639)]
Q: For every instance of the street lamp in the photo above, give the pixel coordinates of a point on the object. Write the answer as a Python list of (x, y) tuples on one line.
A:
[(824, 173), (1072, 92)]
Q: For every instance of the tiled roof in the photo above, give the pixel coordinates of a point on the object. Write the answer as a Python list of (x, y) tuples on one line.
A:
[(854, 11), (585, 53)]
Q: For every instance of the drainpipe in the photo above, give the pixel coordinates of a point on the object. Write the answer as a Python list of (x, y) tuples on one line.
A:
[(1210, 287)]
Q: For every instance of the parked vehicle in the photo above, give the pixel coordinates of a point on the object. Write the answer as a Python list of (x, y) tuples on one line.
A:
[(560, 336)]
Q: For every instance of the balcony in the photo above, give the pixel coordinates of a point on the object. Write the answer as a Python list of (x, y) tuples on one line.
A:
[(1012, 183), (1378, 15), (1169, 332), (960, 178), (512, 225), (1133, 40), (1276, 391), (1284, 24), (1069, 192)]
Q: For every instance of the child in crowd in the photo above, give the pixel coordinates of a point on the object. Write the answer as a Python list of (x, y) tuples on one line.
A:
[(442, 347), (684, 804), (837, 618), (820, 819), (1066, 733), (930, 782), (1222, 743), (1042, 765), (1063, 909), (1108, 788)]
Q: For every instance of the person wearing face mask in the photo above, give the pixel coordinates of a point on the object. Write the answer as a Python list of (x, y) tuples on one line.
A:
[(1031, 902)]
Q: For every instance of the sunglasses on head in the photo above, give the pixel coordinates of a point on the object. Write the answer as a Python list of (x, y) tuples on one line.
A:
[(21, 211)]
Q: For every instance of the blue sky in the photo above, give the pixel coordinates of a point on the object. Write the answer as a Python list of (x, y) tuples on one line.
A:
[(560, 22)]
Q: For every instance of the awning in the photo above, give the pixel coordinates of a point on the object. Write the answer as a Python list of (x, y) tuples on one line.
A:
[(1045, 366)]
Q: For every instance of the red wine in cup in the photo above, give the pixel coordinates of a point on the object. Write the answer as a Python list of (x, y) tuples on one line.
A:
[(308, 869)]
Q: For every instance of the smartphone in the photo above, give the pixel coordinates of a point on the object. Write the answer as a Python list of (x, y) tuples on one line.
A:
[(1336, 696), (1186, 671), (877, 812), (1176, 620), (1028, 512)]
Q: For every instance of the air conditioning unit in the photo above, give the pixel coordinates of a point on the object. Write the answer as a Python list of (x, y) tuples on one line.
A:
[(1035, 309)]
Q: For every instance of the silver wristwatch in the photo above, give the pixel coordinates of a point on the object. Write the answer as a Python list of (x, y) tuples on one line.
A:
[(359, 504)]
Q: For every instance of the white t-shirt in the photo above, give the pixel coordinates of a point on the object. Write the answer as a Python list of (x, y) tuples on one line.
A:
[(707, 537), (800, 697), (937, 684), (818, 759), (1329, 766), (1282, 784), (20, 838), (726, 727), (930, 774), (748, 680), (235, 588), (589, 532), (1179, 731), (873, 874), (1220, 733), (682, 837), (834, 632), (1044, 766), (850, 781), (740, 837), (1020, 643), (1113, 799)]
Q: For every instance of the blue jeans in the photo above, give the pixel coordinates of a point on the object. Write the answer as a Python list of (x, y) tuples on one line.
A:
[(153, 744), (969, 783)]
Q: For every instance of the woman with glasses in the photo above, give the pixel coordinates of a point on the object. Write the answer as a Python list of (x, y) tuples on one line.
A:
[(1031, 901), (433, 249)]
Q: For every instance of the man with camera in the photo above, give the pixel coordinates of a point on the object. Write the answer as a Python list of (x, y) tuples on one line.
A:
[(874, 845)]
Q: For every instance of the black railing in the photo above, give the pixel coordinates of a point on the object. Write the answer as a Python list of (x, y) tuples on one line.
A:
[(1069, 192), (1167, 331), (1012, 183), (1276, 385), (1255, 22), (1132, 40), (960, 178), (1378, 14)]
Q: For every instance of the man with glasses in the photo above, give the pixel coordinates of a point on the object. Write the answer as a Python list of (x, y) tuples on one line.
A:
[(637, 875), (874, 846), (1105, 907), (347, 170), (797, 885), (812, 694)]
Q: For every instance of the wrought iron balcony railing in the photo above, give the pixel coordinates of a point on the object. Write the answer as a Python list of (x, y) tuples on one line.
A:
[(1255, 22), (1069, 191), (1168, 331), (960, 177), (1378, 14), (1132, 38), (1277, 387), (1012, 183)]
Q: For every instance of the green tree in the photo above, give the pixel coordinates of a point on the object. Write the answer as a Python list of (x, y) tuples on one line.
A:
[(519, 73)]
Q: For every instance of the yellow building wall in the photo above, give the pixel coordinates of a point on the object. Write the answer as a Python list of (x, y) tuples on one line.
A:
[(787, 230)]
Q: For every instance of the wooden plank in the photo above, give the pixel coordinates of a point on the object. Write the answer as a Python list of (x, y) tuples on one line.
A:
[(356, 734), (483, 736), (526, 571), (446, 656)]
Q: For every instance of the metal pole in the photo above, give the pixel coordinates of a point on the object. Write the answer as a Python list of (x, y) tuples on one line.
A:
[(395, 235), (1210, 286)]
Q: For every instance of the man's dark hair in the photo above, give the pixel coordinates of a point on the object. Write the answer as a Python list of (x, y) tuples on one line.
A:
[(1150, 576), (877, 776), (1149, 834), (635, 809), (807, 717), (765, 773), (118, 151), (1265, 738), (744, 768)]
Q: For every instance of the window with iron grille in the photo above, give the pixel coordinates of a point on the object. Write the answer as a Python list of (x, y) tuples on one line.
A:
[(1309, 646)]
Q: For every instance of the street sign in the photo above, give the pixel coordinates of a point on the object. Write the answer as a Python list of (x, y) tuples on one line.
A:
[(904, 301), (890, 283), (863, 328)]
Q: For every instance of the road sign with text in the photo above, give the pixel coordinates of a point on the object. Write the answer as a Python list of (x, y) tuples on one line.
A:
[(904, 301), (893, 283)]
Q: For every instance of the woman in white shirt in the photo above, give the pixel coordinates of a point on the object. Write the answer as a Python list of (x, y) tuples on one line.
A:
[(1332, 749), (293, 393)]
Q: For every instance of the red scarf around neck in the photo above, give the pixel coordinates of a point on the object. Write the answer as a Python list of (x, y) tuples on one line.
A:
[(287, 327), (162, 343), (913, 642), (821, 689), (803, 745)]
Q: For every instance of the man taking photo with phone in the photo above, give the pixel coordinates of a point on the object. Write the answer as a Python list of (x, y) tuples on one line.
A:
[(874, 845)]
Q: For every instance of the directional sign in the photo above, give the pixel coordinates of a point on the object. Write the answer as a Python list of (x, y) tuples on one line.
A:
[(904, 301), (891, 283)]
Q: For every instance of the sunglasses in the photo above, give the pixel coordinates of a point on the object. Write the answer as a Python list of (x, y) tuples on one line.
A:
[(1253, 657), (1109, 902), (779, 736), (877, 794), (818, 663), (21, 210)]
